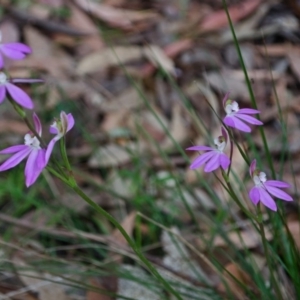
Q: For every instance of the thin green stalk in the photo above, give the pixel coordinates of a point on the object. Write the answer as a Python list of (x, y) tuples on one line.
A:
[(128, 239), (64, 155), (72, 183), (58, 175), (267, 254), (231, 154), (249, 86), (231, 192)]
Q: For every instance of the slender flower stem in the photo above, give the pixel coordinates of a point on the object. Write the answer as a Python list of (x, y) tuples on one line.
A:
[(62, 178), (244, 154), (250, 89), (64, 155), (267, 254), (72, 183), (231, 154), (134, 247), (22, 114), (235, 198)]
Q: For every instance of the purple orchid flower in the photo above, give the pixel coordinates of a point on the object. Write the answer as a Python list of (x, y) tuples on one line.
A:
[(15, 51), (214, 158), (59, 128), (236, 117), (265, 188), (36, 155), (7, 87)]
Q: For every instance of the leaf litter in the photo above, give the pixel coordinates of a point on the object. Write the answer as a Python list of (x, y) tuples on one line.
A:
[(89, 55)]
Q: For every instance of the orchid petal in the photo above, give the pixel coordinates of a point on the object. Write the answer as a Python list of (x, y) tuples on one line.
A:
[(26, 80), (248, 119), (53, 130), (254, 195), (1, 61), (71, 122), (2, 92), (15, 51), (248, 111), (31, 169), (202, 159), (228, 120), (277, 183), (41, 161), (252, 167), (279, 193), (213, 163), (238, 124), (50, 149), (225, 98), (18, 47), (200, 148), (63, 123), (37, 124), (267, 200), (13, 149), (15, 159), (224, 161), (19, 96)]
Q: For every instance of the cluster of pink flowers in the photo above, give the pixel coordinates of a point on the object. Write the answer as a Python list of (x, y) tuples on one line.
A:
[(38, 155), (214, 158)]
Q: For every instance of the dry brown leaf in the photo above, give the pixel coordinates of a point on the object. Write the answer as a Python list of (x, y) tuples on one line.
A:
[(277, 50), (241, 276), (159, 59), (237, 12), (244, 239), (93, 295), (122, 18), (171, 51), (81, 21), (294, 59), (114, 120), (42, 283), (113, 155), (294, 227), (98, 61), (9, 32), (129, 99), (146, 124), (128, 225), (40, 11), (45, 55), (177, 129), (225, 81)]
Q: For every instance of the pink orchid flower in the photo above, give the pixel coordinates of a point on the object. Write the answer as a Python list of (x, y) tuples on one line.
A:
[(36, 155), (59, 128), (265, 188), (7, 87), (214, 157), (15, 51), (236, 117)]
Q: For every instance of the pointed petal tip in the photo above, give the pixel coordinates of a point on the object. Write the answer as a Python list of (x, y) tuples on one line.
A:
[(225, 98)]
